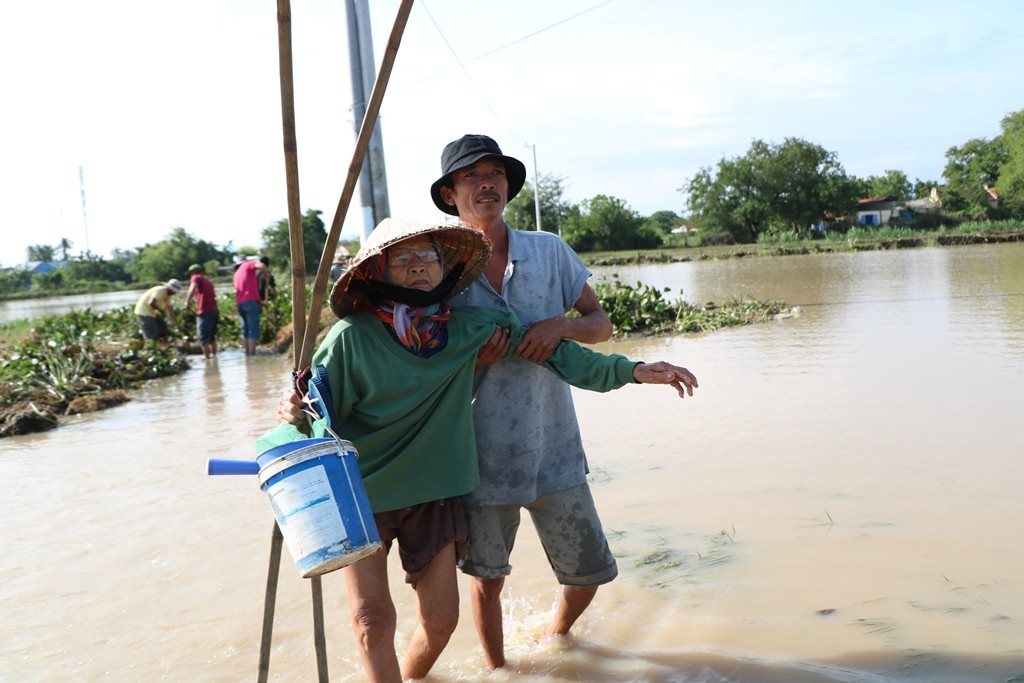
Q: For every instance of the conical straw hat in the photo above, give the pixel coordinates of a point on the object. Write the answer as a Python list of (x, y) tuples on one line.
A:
[(458, 243)]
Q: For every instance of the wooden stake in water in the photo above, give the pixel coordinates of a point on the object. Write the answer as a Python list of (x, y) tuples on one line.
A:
[(269, 600)]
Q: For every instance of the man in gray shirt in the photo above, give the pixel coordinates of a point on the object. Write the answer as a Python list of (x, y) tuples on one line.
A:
[(528, 441)]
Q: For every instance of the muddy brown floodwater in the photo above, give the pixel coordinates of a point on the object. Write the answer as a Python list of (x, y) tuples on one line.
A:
[(840, 501)]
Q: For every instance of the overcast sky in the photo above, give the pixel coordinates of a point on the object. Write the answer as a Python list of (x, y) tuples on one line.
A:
[(172, 110)]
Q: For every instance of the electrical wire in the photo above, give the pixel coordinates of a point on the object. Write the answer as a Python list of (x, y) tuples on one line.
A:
[(462, 64)]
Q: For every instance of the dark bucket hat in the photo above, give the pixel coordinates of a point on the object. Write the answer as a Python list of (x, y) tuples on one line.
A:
[(466, 151)]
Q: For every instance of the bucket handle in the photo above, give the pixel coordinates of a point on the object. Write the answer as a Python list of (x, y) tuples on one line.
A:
[(312, 416)]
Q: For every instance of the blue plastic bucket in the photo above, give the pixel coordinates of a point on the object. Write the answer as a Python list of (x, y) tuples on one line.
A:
[(317, 494)]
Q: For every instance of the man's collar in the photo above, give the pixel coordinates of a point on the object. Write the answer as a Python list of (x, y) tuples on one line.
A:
[(517, 251)]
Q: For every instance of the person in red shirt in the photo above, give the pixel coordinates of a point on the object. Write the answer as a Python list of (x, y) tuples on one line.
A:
[(249, 302), (207, 315)]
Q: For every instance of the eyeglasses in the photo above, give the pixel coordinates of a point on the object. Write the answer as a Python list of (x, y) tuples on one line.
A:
[(405, 258)]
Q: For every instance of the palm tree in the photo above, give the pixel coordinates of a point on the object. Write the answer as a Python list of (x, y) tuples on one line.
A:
[(64, 245)]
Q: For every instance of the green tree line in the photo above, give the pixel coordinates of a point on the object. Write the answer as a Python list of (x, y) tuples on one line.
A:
[(161, 261), (786, 187)]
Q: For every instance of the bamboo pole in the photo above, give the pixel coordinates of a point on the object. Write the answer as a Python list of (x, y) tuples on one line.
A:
[(362, 143), (269, 600), (306, 331), (319, 639), (291, 165), (298, 276)]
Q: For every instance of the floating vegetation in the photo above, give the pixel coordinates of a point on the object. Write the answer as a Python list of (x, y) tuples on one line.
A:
[(646, 310)]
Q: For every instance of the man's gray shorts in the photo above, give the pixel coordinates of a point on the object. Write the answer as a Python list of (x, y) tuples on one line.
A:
[(568, 527), (152, 327)]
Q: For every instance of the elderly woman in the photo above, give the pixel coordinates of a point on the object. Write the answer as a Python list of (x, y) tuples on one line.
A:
[(400, 364)]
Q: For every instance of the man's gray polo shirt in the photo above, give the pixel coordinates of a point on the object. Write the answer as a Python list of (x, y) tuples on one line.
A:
[(528, 440)]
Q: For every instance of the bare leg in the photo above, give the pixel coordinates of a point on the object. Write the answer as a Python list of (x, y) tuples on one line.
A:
[(486, 598), (573, 601), (373, 617), (437, 608)]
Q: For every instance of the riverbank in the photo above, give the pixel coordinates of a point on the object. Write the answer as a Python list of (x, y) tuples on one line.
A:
[(75, 287), (853, 241), (80, 362)]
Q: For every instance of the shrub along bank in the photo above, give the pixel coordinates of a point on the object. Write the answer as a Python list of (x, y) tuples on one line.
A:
[(864, 238)]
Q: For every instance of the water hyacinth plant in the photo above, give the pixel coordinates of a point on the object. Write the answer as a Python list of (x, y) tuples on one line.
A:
[(79, 354), (645, 310)]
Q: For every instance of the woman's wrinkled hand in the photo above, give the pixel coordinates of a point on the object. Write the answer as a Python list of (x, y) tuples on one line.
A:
[(665, 373), (290, 408)]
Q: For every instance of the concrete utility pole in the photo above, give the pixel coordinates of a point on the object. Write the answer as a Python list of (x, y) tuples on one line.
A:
[(373, 182), (85, 221)]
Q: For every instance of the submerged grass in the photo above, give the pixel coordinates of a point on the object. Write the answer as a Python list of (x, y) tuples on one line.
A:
[(944, 609), (661, 565), (876, 626)]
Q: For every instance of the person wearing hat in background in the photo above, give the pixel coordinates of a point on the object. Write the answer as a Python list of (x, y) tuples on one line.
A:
[(400, 366), (249, 302), (528, 440), (151, 307), (207, 313)]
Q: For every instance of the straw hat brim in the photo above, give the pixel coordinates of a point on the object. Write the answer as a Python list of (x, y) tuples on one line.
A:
[(458, 243)]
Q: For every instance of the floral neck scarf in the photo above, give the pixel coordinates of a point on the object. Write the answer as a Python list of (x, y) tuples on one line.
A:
[(420, 329)]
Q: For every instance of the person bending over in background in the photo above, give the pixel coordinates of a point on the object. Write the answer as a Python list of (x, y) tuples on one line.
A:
[(151, 308)]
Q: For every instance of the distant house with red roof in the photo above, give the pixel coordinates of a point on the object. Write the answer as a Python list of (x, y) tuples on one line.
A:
[(877, 210), (882, 210)]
